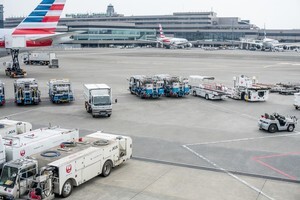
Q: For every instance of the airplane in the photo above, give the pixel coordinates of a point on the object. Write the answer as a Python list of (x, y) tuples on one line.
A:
[(36, 30), (169, 42), (269, 43)]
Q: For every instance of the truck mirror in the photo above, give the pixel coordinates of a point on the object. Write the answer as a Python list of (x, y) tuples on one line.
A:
[(116, 100)]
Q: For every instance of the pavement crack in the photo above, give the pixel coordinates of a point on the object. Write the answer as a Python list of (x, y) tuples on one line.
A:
[(258, 195)]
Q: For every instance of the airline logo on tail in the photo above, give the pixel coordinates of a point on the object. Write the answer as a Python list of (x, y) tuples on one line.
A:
[(161, 32), (43, 20)]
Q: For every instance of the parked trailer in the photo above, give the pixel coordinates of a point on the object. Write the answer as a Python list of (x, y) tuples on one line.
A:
[(146, 87), (60, 91), (2, 94), (297, 101), (245, 88), (32, 142), (286, 88), (174, 86), (98, 99), (40, 58), (204, 86), (11, 127), (27, 91), (56, 172)]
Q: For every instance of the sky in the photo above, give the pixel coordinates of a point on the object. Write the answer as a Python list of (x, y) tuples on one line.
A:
[(275, 14)]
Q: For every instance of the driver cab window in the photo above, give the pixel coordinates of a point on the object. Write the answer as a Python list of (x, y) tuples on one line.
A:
[(28, 172)]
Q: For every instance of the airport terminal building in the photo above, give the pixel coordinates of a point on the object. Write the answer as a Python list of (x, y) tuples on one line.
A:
[(201, 28)]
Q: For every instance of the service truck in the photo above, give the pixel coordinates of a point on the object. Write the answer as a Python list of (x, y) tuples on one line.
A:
[(2, 94), (11, 127), (204, 86), (98, 99), (245, 88), (27, 91), (174, 86), (146, 87), (57, 170), (40, 58), (35, 141), (60, 91)]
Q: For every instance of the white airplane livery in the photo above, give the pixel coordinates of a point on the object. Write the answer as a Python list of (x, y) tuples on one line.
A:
[(172, 42), (36, 30)]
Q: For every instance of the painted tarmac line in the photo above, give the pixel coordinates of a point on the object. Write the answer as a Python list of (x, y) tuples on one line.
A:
[(19, 113), (228, 173), (245, 139), (275, 169)]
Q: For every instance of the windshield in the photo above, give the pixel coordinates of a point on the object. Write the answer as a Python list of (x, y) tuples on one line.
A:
[(61, 88), (101, 100), (8, 177)]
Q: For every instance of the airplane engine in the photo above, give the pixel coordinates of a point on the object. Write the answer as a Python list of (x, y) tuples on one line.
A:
[(189, 45), (258, 47)]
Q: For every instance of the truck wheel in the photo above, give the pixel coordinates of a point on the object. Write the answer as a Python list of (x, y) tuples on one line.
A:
[(206, 97), (272, 128), (194, 93), (67, 189), (107, 167), (291, 128), (296, 107), (108, 115)]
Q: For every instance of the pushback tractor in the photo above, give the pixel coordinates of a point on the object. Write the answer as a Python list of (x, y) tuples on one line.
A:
[(146, 87), (27, 92), (58, 170), (60, 91)]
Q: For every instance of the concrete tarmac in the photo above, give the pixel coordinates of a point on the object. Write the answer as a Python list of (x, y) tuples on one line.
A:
[(176, 139)]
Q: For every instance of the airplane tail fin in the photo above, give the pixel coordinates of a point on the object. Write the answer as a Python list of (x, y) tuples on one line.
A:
[(43, 19), (161, 33)]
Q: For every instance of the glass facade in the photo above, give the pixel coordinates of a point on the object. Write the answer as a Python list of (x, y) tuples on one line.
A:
[(117, 34)]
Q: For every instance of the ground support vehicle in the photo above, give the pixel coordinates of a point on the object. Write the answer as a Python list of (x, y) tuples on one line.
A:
[(204, 86), (174, 86), (40, 58), (98, 99), (13, 69), (27, 92), (297, 101), (14, 147), (286, 88), (248, 89), (60, 91), (276, 122), (11, 127), (57, 170), (146, 87), (2, 94)]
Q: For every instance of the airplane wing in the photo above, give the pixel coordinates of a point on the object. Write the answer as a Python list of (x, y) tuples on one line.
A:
[(151, 41), (287, 44), (59, 37)]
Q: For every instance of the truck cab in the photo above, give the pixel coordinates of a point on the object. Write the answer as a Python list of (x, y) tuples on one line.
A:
[(27, 92), (98, 99), (16, 178), (174, 86), (60, 91), (2, 94), (146, 87)]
